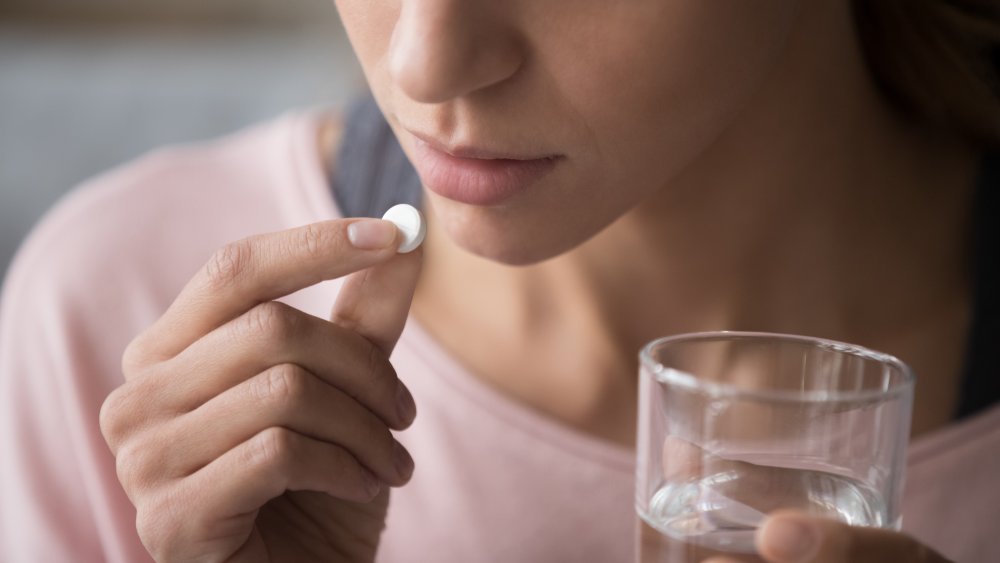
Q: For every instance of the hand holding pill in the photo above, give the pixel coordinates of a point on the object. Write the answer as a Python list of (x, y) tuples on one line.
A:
[(264, 424)]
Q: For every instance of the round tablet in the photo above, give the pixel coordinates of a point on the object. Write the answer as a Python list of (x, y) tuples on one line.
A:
[(410, 223)]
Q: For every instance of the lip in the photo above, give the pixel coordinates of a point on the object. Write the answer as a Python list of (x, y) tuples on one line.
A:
[(476, 176)]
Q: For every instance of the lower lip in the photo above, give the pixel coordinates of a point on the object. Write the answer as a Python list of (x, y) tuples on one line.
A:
[(477, 181)]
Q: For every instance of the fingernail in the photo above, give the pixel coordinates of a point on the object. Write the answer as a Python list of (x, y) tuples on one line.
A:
[(402, 460), (405, 407), (789, 540), (371, 234)]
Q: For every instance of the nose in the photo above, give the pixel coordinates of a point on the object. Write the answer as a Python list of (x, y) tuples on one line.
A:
[(444, 49)]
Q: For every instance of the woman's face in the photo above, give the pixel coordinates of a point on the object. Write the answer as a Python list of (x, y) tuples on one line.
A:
[(605, 101)]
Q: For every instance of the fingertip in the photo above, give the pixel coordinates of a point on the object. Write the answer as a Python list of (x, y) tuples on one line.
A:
[(372, 234), (403, 462), (787, 537), (406, 407)]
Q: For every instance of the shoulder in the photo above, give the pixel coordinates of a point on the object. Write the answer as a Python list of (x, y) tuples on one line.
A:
[(123, 244), (174, 204)]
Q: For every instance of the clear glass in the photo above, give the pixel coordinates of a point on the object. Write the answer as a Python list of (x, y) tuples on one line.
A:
[(735, 425)]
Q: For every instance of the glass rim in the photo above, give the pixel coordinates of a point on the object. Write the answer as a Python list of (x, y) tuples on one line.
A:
[(673, 376)]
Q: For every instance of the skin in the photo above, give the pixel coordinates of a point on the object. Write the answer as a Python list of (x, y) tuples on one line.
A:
[(723, 165)]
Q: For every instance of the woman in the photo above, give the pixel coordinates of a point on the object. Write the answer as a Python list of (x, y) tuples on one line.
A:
[(597, 174)]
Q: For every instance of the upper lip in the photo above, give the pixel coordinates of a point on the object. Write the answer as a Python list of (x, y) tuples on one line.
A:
[(470, 151)]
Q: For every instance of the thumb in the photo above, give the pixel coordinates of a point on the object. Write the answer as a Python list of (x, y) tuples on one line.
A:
[(375, 302), (793, 537)]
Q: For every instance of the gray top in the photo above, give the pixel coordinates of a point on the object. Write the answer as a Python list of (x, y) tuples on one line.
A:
[(372, 172)]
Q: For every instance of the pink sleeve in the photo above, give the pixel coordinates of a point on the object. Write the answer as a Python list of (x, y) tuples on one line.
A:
[(100, 268), (61, 337)]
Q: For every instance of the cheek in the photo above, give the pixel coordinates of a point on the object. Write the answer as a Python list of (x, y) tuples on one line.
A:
[(369, 26), (660, 80), (638, 93)]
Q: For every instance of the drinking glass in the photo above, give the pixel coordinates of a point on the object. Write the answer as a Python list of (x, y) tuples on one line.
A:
[(734, 425)]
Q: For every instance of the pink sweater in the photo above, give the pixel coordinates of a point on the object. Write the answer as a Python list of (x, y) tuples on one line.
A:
[(495, 480)]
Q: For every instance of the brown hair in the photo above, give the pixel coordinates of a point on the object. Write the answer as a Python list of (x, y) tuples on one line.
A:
[(936, 60)]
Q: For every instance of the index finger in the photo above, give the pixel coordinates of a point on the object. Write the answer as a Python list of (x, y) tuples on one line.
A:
[(262, 268)]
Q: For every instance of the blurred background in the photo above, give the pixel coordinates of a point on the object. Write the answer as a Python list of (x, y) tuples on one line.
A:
[(89, 84)]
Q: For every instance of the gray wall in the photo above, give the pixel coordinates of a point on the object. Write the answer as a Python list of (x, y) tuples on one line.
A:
[(268, 12), (79, 97)]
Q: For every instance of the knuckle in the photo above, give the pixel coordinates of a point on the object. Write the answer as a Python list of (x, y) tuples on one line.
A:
[(110, 418), (135, 356), (269, 447), (125, 470), (269, 321), (229, 264), (122, 414), (284, 385), (135, 465), (130, 409), (316, 242), (148, 527), (158, 526)]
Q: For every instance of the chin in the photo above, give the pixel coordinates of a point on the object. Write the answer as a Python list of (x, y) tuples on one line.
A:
[(512, 247), (506, 236), (508, 252)]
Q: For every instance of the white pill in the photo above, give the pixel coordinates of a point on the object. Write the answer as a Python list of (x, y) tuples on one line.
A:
[(410, 223)]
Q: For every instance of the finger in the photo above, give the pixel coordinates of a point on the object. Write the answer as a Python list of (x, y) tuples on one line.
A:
[(263, 268), (290, 397), (682, 460), (271, 334), (375, 302), (268, 464), (685, 462), (792, 537)]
